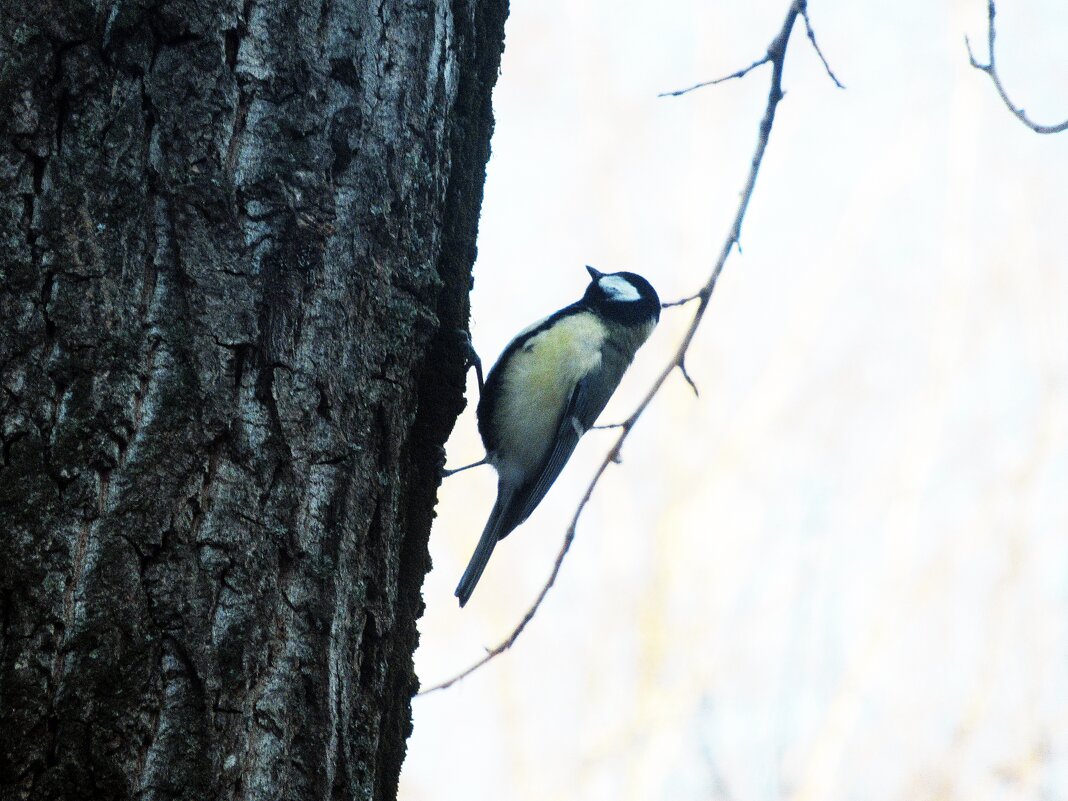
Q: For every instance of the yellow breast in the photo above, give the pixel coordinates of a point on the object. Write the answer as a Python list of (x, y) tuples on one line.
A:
[(539, 382)]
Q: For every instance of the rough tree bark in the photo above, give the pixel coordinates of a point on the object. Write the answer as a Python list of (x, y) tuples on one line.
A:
[(235, 249)]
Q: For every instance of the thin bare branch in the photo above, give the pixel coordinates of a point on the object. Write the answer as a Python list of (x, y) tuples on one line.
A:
[(510, 640), (680, 302), (990, 68), (812, 38), (686, 375), (776, 56), (739, 74)]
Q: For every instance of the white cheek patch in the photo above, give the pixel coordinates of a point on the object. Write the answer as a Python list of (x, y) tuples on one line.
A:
[(619, 289)]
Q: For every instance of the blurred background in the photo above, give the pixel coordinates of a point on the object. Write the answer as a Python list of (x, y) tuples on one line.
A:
[(842, 572)]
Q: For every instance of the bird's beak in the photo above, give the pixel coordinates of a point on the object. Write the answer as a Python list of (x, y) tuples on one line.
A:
[(594, 274)]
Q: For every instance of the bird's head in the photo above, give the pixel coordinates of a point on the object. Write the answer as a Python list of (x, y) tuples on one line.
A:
[(622, 297)]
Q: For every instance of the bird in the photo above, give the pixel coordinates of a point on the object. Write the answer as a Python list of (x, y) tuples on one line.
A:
[(547, 389)]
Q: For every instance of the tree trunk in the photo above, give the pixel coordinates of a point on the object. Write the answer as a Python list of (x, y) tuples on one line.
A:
[(235, 252)]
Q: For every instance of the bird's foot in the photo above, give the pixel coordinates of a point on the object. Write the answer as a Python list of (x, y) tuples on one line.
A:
[(471, 358)]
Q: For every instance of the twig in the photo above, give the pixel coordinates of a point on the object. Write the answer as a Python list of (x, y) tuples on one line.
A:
[(681, 301), (739, 74), (686, 375), (990, 68), (776, 56), (812, 38)]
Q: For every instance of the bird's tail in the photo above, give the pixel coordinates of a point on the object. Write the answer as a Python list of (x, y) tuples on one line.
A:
[(494, 530)]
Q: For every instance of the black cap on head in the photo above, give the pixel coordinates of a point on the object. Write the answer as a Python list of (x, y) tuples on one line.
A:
[(623, 297)]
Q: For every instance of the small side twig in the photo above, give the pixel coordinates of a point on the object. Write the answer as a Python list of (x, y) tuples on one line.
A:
[(734, 75), (681, 301), (812, 38), (776, 56), (686, 375), (990, 68)]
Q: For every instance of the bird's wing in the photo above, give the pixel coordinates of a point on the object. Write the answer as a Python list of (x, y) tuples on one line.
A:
[(588, 399)]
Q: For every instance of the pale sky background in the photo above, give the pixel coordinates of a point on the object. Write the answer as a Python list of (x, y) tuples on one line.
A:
[(842, 572)]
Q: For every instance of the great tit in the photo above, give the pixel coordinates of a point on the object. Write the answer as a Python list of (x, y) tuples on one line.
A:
[(547, 389)]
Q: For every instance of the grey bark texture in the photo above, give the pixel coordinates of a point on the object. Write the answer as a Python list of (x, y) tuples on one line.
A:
[(235, 250)]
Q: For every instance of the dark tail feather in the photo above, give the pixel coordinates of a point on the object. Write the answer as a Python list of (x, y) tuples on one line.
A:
[(494, 530)]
